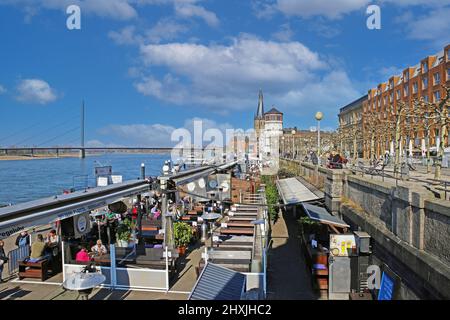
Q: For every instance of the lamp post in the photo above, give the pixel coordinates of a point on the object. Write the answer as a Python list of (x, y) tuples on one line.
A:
[(283, 146), (319, 116), (293, 136)]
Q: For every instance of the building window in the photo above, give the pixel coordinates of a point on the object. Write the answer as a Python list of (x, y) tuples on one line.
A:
[(436, 78), (415, 87), (448, 74), (398, 94), (436, 96), (425, 98), (406, 90), (424, 83), (406, 77), (391, 97), (391, 84), (424, 67)]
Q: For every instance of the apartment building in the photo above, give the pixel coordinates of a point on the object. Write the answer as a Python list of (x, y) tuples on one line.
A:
[(423, 80)]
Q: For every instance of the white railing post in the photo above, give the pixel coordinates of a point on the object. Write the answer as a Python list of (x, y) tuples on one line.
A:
[(113, 275), (63, 253), (167, 269), (264, 273)]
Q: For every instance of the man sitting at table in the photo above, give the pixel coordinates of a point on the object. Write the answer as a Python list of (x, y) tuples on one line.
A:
[(99, 249)]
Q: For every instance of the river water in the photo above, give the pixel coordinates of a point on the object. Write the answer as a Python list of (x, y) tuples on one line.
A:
[(26, 180)]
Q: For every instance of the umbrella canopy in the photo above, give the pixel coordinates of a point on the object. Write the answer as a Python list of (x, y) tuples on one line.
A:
[(211, 216), (83, 281), (118, 207)]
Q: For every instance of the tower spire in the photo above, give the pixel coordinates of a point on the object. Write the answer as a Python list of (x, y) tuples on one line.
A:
[(260, 111)]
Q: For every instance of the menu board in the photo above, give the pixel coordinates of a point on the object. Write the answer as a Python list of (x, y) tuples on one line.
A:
[(342, 244)]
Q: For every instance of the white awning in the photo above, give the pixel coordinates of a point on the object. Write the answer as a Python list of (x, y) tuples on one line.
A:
[(293, 191), (323, 216)]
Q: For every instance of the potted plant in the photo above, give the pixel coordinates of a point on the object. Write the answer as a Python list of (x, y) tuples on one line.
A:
[(124, 233), (182, 233)]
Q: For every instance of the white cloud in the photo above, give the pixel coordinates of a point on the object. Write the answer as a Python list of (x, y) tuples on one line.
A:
[(115, 9), (223, 77), (35, 91), (330, 9), (158, 135), (285, 33), (2, 89), (387, 72), (336, 9), (126, 36), (188, 9), (433, 26), (165, 29), (154, 135)]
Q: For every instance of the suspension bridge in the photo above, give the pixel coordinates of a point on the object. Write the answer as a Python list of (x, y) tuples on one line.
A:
[(55, 137)]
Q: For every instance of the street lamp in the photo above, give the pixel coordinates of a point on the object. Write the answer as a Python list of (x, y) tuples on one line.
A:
[(319, 116), (293, 135)]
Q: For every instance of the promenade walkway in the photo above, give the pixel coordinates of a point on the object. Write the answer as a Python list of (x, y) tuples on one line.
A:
[(288, 277)]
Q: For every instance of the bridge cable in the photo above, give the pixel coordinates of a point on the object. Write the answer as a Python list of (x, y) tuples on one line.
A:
[(58, 136), (43, 132), (27, 128)]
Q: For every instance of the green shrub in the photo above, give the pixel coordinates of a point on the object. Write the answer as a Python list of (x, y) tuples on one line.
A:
[(182, 233), (272, 196)]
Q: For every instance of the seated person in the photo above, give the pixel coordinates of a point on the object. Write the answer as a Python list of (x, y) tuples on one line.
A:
[(82, 256), (99, 249), (38, 249), (155, 212)]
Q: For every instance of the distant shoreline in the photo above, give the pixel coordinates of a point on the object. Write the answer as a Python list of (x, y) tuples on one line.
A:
[(37, 157), (64, 155)]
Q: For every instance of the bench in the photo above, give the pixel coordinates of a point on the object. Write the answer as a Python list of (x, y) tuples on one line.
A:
[(37, 270)]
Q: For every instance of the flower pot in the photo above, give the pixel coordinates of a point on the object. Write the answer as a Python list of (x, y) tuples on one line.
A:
[(181, 251)]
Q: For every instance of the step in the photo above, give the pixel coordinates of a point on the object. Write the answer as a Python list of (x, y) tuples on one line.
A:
[(240, 224), (236, 231)]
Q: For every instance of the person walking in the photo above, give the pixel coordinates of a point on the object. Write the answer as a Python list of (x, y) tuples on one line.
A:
[(3, 259)]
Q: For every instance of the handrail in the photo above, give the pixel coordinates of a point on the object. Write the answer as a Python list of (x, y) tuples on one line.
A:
[(15, 255)]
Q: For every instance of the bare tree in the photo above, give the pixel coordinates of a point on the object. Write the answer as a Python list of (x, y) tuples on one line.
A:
[(439, 113)]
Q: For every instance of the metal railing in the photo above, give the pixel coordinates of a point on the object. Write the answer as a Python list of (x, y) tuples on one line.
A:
[(15, 256), (379, 170)]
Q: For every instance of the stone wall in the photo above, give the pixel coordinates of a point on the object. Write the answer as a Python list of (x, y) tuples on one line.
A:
[(411, 230), (437, 229)]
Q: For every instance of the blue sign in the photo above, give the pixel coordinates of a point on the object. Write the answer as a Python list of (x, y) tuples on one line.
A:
[(387, 288)]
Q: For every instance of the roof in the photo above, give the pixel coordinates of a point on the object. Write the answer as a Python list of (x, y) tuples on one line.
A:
[(273, 111), (14, 219), (260, 110), (322, 215), (353, 105), (184, 177), (218, 283), (293, 191)]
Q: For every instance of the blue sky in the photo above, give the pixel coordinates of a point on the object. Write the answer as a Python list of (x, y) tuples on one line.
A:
[(146, 67)]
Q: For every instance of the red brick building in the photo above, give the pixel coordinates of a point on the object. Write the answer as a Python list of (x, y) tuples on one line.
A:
[(422, 80)]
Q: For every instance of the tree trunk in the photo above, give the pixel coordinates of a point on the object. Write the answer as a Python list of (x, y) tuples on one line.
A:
[(428, 152), (440, 153)]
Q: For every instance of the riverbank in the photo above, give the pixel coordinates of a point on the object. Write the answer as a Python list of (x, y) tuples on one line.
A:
[(37, 157)]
